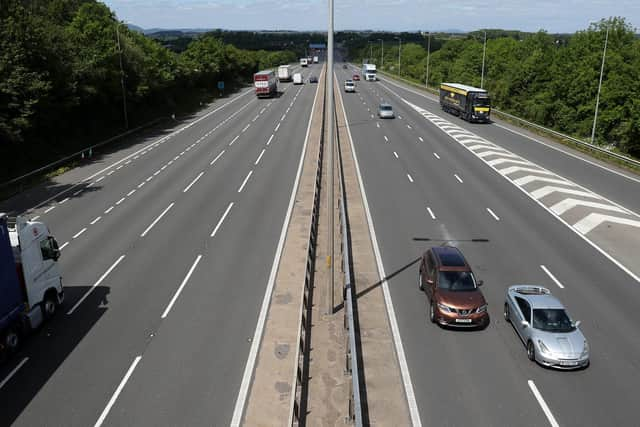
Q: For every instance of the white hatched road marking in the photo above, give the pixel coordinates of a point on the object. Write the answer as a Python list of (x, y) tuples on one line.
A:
[(566, 204), (593, 220), (549, 189)]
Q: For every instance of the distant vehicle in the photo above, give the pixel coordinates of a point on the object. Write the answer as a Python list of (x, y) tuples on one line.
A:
[(349, 86), (297, 79), (284, 73), (356, 77), (369, 72), (265, 83), (313, 78), (309, 60), (30, 281), (385, 111), (454, 295), (470, 103), (542, 323), (344, 66), (303, 62), (315, 59)]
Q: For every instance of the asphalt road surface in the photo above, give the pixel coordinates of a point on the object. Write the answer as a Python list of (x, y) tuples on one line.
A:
[(167, 250), (422, 183)]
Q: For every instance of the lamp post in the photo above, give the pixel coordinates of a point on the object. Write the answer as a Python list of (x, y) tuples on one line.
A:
[(124, 92), (399, 50), (370, 51), (381, 53), (426, 82), (595, 117), (330, 149), (484, 50)]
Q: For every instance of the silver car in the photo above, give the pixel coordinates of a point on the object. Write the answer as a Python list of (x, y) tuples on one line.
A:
[(385, 111), (551, 337)]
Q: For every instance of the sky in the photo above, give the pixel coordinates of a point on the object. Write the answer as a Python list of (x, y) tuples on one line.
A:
[(554, 16)]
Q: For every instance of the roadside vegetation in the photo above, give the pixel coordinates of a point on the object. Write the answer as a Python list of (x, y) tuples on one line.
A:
[(551, 80), (61, 85)]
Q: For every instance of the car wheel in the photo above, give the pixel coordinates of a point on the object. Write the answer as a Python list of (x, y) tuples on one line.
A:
[(11, 341), (531, 351), (505, 312), (432, 312), (420, 286), (49, 307)]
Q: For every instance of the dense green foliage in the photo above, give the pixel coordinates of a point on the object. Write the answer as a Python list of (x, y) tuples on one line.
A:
[(548, 79), (61, 85)]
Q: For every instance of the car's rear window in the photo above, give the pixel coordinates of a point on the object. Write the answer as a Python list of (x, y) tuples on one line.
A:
[(385, 108)]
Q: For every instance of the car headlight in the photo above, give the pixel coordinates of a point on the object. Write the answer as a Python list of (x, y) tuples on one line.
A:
[(543, 348), (445, 308), (482, 308), (585, 349)]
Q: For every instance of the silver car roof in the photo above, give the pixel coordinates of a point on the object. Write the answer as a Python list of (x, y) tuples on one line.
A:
[(540, 299)]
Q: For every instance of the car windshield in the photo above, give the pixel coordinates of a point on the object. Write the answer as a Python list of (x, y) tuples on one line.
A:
[(552, 320), (482, 102), (456, 281)]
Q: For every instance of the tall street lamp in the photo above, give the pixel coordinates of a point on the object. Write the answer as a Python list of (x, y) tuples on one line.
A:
[(124, 92), (399, 50), (595, 117), (484, 50), (381, 53), (426, 82)]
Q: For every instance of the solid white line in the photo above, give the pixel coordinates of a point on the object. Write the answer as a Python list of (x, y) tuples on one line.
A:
[(257, 336), (120, 201), (112, 172), (75, 236), (431, 213), (395, 154), (109, 210), (184, 282), (217, 157), (131, 192), (50, 209), (78, 192), (224, 215), (13, 372), (106, 410), (410, 179), (63, 245), (234, 140), (63, 201), (436, 155), (270, 139), (95, 220), (493, 214), (35, 218), (386, 139), (144, 233), (458, 178), (95, 285), (259, 157), (277, 127), (556, 281), (193, 182), (99, 179), (397, 339), (245, 181), (543, 404)]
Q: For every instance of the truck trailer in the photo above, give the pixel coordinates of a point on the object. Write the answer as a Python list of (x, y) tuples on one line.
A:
[(265, 83), (30, 282), (470, 103), (284, 73)]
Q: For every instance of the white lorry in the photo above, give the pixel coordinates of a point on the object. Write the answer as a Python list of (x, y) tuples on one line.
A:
[(369, 72), (303, 62), (284, 73), (30, 282), (315, 59), (297, 79)]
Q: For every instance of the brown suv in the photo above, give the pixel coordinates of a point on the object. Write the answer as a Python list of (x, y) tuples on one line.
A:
[(448, 281)]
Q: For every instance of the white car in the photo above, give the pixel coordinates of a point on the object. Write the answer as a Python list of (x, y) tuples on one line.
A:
[(349, 86), (385, 111), (297, 79)]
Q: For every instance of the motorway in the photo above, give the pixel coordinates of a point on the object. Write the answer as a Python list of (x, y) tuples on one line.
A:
[(166, 254), (421, 181)]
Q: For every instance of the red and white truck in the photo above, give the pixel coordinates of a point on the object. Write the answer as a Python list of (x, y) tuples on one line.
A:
[(266, 83), (30, 281)]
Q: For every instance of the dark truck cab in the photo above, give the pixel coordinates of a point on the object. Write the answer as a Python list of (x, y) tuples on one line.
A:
[(470, 103)]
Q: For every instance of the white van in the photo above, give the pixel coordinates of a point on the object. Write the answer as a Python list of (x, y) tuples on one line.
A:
[(297, 79)]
